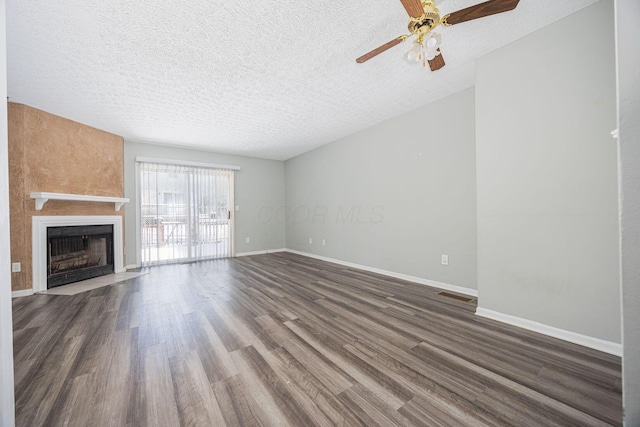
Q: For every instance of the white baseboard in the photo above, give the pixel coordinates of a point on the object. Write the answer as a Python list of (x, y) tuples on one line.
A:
[(267, 251), (432, 283), (131, 266), (22, 293), (583, 340)]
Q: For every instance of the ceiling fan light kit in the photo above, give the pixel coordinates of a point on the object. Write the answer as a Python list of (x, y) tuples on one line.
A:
[(424, 16), (424, 49)]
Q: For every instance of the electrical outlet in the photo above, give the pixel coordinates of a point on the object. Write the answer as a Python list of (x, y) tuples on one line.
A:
[(324, 242), (445, 259), (16, 267), (310, 240), (247, 240), (237, 207)]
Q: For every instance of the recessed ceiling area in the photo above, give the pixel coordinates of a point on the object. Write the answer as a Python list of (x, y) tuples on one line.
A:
[(270, 79)]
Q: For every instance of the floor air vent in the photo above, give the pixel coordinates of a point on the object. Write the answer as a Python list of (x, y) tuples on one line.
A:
[(454, 296)]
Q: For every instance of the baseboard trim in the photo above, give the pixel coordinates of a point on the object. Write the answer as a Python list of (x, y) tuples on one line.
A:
[(583, 340), (131, 267), (264, 252), (21, 293), (432, 283)]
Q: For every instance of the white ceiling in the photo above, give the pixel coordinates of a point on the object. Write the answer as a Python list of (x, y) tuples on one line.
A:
[(268, 79)]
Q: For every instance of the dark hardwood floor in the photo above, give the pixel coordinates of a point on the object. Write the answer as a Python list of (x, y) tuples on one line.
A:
[(282, 339)]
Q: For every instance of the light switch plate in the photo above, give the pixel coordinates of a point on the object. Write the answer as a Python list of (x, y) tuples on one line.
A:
[(16, 267)]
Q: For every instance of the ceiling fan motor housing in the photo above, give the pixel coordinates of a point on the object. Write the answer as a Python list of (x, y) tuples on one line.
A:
[(428, 21)]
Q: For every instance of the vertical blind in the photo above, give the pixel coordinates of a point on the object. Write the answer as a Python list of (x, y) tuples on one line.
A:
[(185, 213)]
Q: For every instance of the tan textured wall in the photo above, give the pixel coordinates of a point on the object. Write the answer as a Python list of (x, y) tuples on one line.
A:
[(16, 192), (53, 154)]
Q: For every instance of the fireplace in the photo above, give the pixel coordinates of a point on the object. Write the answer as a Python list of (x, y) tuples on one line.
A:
[(84, 241), (79, 252)]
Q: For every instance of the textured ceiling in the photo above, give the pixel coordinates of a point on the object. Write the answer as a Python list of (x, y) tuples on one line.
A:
[(268, 79)]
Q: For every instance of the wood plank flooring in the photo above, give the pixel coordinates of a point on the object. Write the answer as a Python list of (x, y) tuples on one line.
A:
[(284, 340)]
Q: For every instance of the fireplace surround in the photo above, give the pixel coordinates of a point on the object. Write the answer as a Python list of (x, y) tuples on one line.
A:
[(40, 253), (78, 252)]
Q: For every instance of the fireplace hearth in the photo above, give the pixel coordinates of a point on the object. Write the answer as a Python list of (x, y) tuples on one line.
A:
[(77, 253)]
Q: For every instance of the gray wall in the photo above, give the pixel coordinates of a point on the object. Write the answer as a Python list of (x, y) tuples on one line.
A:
[(547, 177), (628, 50), (395, 196), (259, 188), (7, 415)]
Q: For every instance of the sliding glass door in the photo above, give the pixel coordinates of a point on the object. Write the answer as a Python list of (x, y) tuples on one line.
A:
[(185, 213)]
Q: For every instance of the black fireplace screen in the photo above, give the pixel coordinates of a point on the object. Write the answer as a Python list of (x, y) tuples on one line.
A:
[(78, 252)]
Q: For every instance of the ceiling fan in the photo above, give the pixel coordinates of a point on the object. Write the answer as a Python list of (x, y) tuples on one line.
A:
[(424, 16)]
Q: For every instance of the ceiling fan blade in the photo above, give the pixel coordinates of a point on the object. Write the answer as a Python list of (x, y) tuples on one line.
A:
[(413, 8), (481, 10), (380, 49), (437, 62)]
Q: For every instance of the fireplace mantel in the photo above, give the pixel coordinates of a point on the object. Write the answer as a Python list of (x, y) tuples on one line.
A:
[(42, 198)]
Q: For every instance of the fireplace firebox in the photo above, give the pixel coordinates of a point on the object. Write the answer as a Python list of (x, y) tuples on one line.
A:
[(77, 253)]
